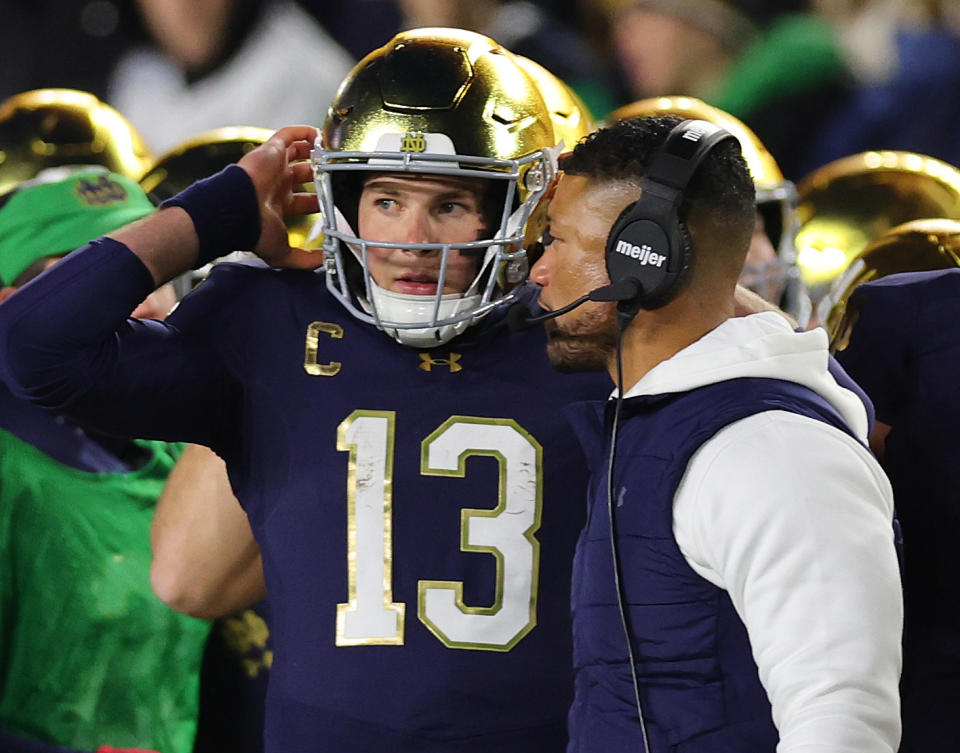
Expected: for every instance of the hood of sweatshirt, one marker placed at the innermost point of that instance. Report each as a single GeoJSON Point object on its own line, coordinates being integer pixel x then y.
{"type": "Point", "coordinates": [760, 345]}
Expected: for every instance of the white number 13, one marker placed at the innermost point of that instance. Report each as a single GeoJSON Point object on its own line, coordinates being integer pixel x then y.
{"type": "Point", "coordinates": [371, 616]}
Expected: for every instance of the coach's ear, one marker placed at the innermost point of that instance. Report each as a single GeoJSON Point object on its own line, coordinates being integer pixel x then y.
{"type": "Point", "coordinates": [6, 292]}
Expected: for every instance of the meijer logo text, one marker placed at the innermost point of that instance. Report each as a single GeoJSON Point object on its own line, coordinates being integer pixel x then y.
{"type": "Point", "coordinates": [643, 254]}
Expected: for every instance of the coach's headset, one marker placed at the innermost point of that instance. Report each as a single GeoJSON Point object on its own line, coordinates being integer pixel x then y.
{"type": "Point", "coordinates": [648, 243]}
{"type": "Point", "coordinates": [648, 248]}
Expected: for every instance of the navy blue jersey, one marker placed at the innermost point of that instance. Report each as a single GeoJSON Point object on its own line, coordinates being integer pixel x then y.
{"type": "Point", "coordinates": [68, 445]}
{"type": "Point", "coordinates": [417, 510]}
{"type": "Point", "coordinates": [904, 350]}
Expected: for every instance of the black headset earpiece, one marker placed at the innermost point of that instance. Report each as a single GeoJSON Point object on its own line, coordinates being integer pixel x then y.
{"type": "Point", "coordinates": [648, 243]}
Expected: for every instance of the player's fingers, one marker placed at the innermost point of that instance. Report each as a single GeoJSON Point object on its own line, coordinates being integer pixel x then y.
{"type": "Point", "coordinates": [304, 149]}
{"type": "Point", "coordinates": [301, 172]}
{"type": "Point", "coordinates": [299, 150]}
{"type": "Point", "coordinates": [298, 258]}
{"type": "Point", "coordinates": [291, 134]}
{"type": "Point", "coordinates": [303, 203]}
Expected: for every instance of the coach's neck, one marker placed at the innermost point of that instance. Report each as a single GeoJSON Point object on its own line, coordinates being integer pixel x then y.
{"type": "Point", "coordinates": [654, 336]}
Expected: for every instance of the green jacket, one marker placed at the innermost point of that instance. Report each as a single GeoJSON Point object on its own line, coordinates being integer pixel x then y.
{"type": "Point", "coordinates": [88, 655]}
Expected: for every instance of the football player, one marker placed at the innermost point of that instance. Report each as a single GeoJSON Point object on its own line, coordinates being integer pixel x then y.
{"type": "Point", "coordinates": [206, 562]}
{"type": "Point", "coordinates": [401, 455]}
{"type": "Point", "coordinates": [893, 327]}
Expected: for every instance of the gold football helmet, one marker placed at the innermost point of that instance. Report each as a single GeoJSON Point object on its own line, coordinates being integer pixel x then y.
{"type": "Point", "coordinates": [444, 102]}
{"type": "Point", "coordinates": [55, 127]}
{"type": "Point", "coordinates": [778, 281]}
{"type": "Point", "coordinates": [199, 157]}
{"type": "Point", "coordinates": [570, 115]}
{"type": "Point", "coordinates": [914, 246]}
{"type": "Point", "coordinates": [850, 202]}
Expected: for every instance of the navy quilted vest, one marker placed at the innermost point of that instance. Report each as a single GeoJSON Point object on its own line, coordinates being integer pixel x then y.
{"type": "Point", "coordinates": [700, 688]}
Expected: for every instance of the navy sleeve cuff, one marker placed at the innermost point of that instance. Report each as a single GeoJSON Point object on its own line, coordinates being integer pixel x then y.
{"type": "Point", "coordinates": [225, 213]}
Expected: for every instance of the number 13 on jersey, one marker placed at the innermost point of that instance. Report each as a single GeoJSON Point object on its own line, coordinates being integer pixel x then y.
{"type": "Point", "coordinates": [506, 532]}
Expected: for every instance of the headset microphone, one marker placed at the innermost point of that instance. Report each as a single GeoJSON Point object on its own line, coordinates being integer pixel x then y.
{"type": "Point", "coordinates": [518, 316]}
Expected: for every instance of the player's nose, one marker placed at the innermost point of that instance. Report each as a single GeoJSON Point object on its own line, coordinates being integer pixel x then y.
{"type": "Point", "coordinates": [417, 228]}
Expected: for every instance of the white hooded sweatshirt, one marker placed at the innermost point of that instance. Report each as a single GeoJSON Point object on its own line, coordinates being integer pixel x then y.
{"type": "Point", "coordinates": [793, 518]}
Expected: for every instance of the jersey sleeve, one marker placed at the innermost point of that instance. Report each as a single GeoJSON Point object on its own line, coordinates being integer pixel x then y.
{"type": "Point", "coordinates": [67, 344]}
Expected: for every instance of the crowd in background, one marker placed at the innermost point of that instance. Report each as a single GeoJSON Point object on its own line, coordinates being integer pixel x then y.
{"type": "Point", "coordinates": [815, 79]}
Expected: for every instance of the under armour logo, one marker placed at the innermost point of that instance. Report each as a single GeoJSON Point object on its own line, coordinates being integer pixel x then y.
{"type": "Point", "coordinates": [427, 362]}
{"type": "Point", "coordinates": [413, 142]}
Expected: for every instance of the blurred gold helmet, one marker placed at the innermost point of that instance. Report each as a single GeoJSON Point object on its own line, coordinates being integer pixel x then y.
{"type": "Point", "coordinates": [444, 102]}
{"type": "Point", "coordinates": [570, 115]}
{"type": "Point", "coordinates": [54, 127]}
{"type": "Point", "coordinates": [208, 153]}
{"type": "Point", "coordinates": [778, 280]}
{"type": "Point", "coordinates": [850, 202]}
{"type": "Point", "coordinates": [203, 155]}
{"type": "Point", "coordinates": [914, 246]}
{"type": "Point", "coordinates": [198, 157]}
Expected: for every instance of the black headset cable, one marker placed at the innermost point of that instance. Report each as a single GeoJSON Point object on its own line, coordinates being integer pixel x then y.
{"type": "Point", "coordinates": [623, 321]}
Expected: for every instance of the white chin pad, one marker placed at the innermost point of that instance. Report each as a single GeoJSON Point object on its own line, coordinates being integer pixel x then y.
{"type": "Point", "coordinates": [403, 308]}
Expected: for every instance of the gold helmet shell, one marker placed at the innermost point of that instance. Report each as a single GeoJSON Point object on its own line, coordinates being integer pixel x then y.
{"type": "Point", "coordinates": [54, 127]}
{"type": "Point", "coordinates": [452, 82]}
{"type": "Point", "coordinates": [451, 104]}
{"type": "Point", "coordinates": [850, 202]}
{"type": "Point", "coordinates": [205, 154]}
{"type": "Point", "coordinates": [572, 121]}
{"type": "Point", "coordinates": [570, 115]}
{"type": "Point", "coordinates": [914, 246]}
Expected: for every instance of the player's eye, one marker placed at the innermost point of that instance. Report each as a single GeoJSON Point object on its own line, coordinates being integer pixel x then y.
{"type": "Point", "coordinates": [454, 207]}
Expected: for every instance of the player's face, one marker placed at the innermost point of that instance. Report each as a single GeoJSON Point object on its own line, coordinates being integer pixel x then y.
{"type": "Point", "coordinates": [427, 209]}
{"type": "Point", "coordinates": [580, 217]}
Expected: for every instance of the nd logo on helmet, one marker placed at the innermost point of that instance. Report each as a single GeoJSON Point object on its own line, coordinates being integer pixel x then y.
{"type": "Point", "coordinates": [413, 142]}
{"type": "Point", "coordinates": [101, 190]}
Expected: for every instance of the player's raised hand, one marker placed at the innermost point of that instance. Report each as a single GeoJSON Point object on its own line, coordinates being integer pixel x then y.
{"type": "Point", "coordinates": [278, 170]}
